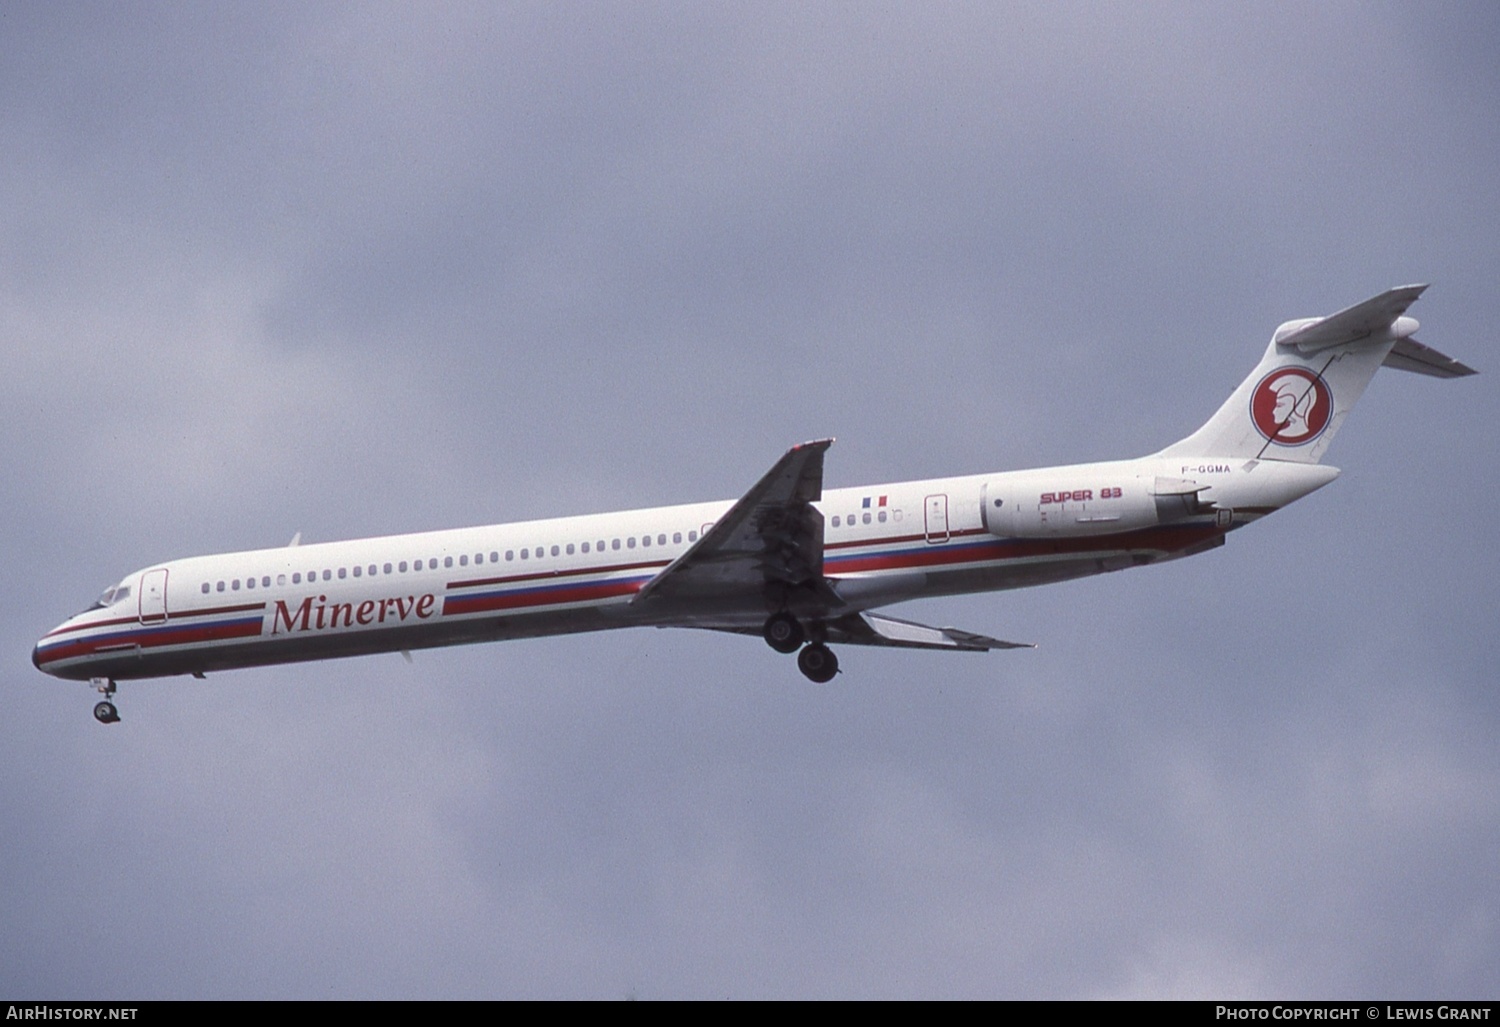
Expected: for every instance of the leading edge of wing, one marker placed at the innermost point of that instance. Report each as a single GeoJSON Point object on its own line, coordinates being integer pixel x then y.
{"type": "Point", "coordinates": [772, 535]}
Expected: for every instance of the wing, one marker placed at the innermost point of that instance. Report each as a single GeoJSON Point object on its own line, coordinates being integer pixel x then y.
{"type": "Point", "coordinates": [769, 546]}
{"type": "Point", "coordinates": [877, 629]}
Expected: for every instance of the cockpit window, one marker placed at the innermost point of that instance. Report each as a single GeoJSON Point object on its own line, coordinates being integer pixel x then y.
{"type": "Point", "coordinates": [110, 596]}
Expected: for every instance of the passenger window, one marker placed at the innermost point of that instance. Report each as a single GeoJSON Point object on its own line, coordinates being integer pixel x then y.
{"type": "Point", "coordinates": [249, 582]}
{"type": "Point", "coordinates": [281, 579]}
{"type": "Point", "coordinates": [234, 585]}
{"type": "Point", "coordinates": [570, 549]}
{"type": "Point", "coordinates": [661, 540]}
{"type": "Point", "coordinates": [432, 564]}
{"type": "Point", "coordinates": [645, 540]}
{"type": "Point", "coordinates": [205, 588]}
{"type": "Point", "coordinates": [343, 573]}
{"type": "Point", "coordinates": [866, 518]}
{"type": "Point", "coordinates": [676, 538]}
{"type": "Point", "coordinates": [219, 587]}
{"type": "Point", "coordinates": [328, 575]}
{"type": "Point", "coordinates": [510, 554]}
{"type": "Point", "coordinates": [555, 550]}
{"type": "Point", "coordinates": [463, 561]}
{"type": "Point", "coordinates": [525, 554]}
{"type": "Point", "coordinates": [297, 578]}
{"type": "Point", "coordinates": [585, 547]}
{"type": "Point", "coordinates": [447, 561]}
{"type": "Point", "coordinates": [614, 544]}
{"type": "Point", "coordinates": [388, 568]}
{"type": "Point", "coordinates": [630, 542]}
{"type": "Point", "coordinates": [835, 520]}
{"type": "Point", "coordinates": [693, 536]}
{"type": "Point", "coordinates": [880, 517]}
{"type": "Point", "coordinates": [357, 571]}
{"type": "Point", "coordinates": [494, 558]}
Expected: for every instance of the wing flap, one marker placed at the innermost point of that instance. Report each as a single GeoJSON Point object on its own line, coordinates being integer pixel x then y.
{"type": "Point", "coordinates": [878, 629]}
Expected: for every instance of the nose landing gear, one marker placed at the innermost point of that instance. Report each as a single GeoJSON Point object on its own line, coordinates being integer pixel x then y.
{"type": "Point", "coordinates": [785, 634]}
{"type": "Point", "coordinates": [105, 712]}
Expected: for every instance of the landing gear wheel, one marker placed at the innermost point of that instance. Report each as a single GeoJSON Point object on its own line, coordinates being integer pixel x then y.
{"type": "Point", "coordinates": [783, 633]}
{"type": "Point", "coordinates": [105, 713]}
{"type": "Point", "coordinates": [818, 663]}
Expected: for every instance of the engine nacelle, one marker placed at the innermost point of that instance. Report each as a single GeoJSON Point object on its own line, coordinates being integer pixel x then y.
{"type": "Point", "coordinates": [1052, 504]}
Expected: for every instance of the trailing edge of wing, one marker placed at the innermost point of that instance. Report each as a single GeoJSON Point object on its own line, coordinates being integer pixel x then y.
{"type": "Point", "coordinates": [772, 536]}
{"type": "Point", "coordinates": [877, 629]}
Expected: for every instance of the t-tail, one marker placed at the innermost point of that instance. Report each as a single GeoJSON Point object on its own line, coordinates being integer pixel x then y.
{"type": "Point", "coordinates": [1314, 371]}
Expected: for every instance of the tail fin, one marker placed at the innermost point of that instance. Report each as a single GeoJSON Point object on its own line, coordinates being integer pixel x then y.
{"type": "Point", "coordinates": [1314, 371]}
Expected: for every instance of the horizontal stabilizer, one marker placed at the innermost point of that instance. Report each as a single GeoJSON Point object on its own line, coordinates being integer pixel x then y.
{"type": "Point", "coordinates": [1373, 318]}
{"type": "Point", "coordinates": [876, 629]}
{"type": "Point", "coordinates": [1411, 355]}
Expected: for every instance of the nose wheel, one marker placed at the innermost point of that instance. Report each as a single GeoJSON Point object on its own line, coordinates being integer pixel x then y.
{"type": "Point", "coordinates": [105, 712]}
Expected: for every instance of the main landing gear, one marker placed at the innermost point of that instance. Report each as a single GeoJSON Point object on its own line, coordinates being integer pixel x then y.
{"type": "Point", "coordinates": [785, 634]}
{"type": "Point", "coordinates": [105, 712]}
{"type": "Point", "coordinates": [818, 663]}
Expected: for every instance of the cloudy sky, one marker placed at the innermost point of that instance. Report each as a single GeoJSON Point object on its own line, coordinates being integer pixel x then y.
{"type": "Point", "coordinates": [270, 268]}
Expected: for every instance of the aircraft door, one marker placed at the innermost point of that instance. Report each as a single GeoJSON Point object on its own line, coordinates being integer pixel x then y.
{"type": "Point", "coordinates": [937, 518]}
{"type": "Point", "coordinates": [154, 596]}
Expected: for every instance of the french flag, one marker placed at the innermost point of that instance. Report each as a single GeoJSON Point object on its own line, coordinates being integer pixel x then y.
{"type": "Point", "coordinates": [879, 501]}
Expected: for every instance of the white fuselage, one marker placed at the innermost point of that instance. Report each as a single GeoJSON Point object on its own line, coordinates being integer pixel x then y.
{"type": "Point", "coordinates": [881, 544]}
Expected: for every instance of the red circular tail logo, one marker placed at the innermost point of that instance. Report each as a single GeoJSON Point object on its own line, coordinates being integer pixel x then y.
{"type": "Point", "coordinates": [1291, 406]}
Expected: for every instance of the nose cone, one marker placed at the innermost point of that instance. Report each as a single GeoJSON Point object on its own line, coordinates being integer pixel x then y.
{"type": "Point", "coordinates": [46, 664]}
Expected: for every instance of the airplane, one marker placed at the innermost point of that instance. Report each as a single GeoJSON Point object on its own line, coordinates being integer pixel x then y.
{"type": "Point", "coordinates": [796, 564]}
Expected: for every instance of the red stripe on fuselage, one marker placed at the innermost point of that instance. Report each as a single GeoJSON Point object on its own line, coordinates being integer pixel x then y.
{"type": "Point", "coordinates": [535, 597]}
{"type": "Point", "coordinates": [154, 637]}
{"type": "Point", "coordinates": [554, 575]}
{"type": "Point", "coordinates": [70, 628]}
{"type": "Point", "coordinates": [1166, 540]}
